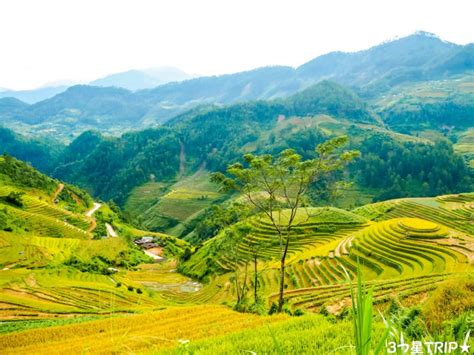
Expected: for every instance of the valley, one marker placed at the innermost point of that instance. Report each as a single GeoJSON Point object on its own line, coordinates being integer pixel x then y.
{"type": "Point", "coordinates": [253, 212]}
{"type": "Point", "coordinates": [60, 275]}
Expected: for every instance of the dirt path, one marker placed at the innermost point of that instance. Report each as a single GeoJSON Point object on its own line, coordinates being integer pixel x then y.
{"type": "Point", "coordinates": [110, 231]}
{"type": "Point", "coordinates": [89, 214]}
{"type": "Point", "coordinates": [182, 158]}
{"type": "Point", "coordinates": [344, 246]}
{"type": "Point", "coordinates": [152, 255]}
{"type": "Point", "coordinates": [59, 189]}
{"type": "Point", "coordinates": [93, 209]}
{"type": "Point", "coordinates": [92, 226]}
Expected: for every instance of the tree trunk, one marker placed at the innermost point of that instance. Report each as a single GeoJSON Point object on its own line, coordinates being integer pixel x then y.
{"type": "Point", "coordinates": [244, 284]}
{"type": "Point", "coordinates": [237, 288]}
{"type": "Point", "coordinates": [281, 300]}
{"type": "Point", "coordinates": [255, 283]}
{"type": "Point", "coordinates": [282, 285]}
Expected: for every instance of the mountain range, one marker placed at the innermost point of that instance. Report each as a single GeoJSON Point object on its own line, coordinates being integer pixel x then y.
{"type": "Point", "coordinates": [372, 73]}
{"type": "Point", "coordinates": [131, 80]}
{"type": "Point", "coordinates": [407, 105]}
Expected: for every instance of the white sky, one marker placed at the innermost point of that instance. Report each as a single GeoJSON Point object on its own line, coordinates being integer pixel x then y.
{"type": "Point", "coordinates": [49, 40]}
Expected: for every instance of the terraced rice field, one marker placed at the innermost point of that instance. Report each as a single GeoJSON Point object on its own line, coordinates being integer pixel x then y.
{"type": "Point", "coordinates": [36, 206]}
{"type": "Point", "coordinates": [465, 144]}
{"type": "Point", "coordinates": [402, 254]}
{"type": "Point", "coordinates": [152, 332]}
{"type": "Point", "coordinates": [314, 298]}
{"type": "Point", "coordinates": [308, 239]}
{"type": "Point", "coordinates": [143, 197]}
{"type": "Point", "coordinates": [161, 277]}
{"type": "Point", "coordinates": [399, 256]}
{"type": "Point", "coordinates": [46, 219]}
{"type": "Point", "coordinates": [49, 226]}
{"type": "Point", "coordinates": [397, 247]}
{"type": "Point", "coordinates": [154, 203]}
{"type": "Point", "coordinates": [30, 294]}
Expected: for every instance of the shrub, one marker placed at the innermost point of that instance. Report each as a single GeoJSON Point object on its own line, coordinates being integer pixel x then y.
{"type": "Point", "coordinates": [324, 311]}
{"type": "Point", "coordinates": [273, 308]}
{"type": "Point", "coordinates": [14, 198]}
{"type": "Point", "coordinates": [242, 306]}
{"type": "Point", "coordinates": [287, 309]}
{"type": "Point", "coordinates": [298, 312]}
{"type": "Point", "coordinates": [450, 300]}
{"type": "Point", "coordinates": [97, 264]}
{"type": "Point", "coordinates": [258, 308]}
{"type": "Point", "coordinates": [393, 307]}
{"type": "Point", "coordinates": [186, 254]}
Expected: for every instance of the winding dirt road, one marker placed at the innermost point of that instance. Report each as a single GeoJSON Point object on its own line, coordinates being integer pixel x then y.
{"type": "Point", "coordinates": [93, 209]}
{"type": "Point", "coordinates": [110, 231]}
{"type": "Point", "coordinates": [89, 214]}
{"type": "Point", "coordinates": [59, 189]}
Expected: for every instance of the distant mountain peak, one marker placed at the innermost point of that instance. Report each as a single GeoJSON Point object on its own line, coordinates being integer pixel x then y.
{"type": "Point", "coordinates": [136, 79]}
{"type": "Point", "coordinates": [425, 34]}
{"type": "Point", "coordinates": [420, 34]}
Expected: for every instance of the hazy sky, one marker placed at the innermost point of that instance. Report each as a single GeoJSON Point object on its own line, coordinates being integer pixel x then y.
{"type": "Point", "coordinates": [49, 40]}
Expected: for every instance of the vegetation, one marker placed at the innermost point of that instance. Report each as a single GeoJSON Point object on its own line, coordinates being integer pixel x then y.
{"type": "Point", "coordinates": [411, 169]}
{"type": "Point", "coordinates": [362, 318]}
{"type": "Point", "coordinates": [407, 247]}
{"type": "Point", "coordinates": [283, 183]}
{"type": "Point", "coordinates": [78, 275]}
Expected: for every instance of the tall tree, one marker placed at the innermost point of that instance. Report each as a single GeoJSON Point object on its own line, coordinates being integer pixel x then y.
{"type": "Point", "coordinates": [233, 237]}
{"type": "Point", "coordinates": [255, 249]}
{"type": "Point", "coordinates": [276, 186]}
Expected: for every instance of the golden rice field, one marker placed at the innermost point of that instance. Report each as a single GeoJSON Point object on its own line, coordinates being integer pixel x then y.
{"type": "Point", "coordinates": [148, 332]}
{"type": "Point", "coordinates": [405, 247]}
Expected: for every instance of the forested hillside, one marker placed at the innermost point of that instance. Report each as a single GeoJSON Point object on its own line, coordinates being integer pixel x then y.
{"type": "Point", "coordinates": [408, 121]}
{"type": "Point", "coordinates": [208, 138]}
